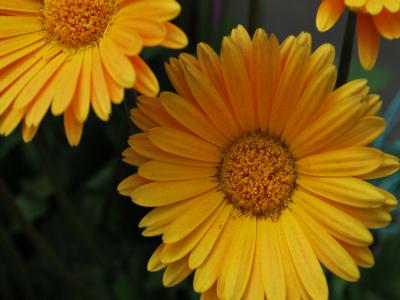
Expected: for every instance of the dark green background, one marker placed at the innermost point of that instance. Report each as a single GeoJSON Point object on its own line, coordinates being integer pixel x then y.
{"type": "Point", "coordinates": [82, 240]}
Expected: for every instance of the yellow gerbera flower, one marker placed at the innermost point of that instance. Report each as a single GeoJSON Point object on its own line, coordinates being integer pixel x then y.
{"type": "Point", "coordinates": [257, 170]}
{"type": "Point", "coordinates": [71, 55]}
{"type": "Point", "coordinates": [375, 18]}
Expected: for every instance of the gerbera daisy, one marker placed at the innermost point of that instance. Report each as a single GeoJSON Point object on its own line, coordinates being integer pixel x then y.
{"type": "Point", "coordinates": [256, 168]}
{"type": "Point", "coordinates": [375, 18]}
{"type": "Point", "coordinates": [70, 55]}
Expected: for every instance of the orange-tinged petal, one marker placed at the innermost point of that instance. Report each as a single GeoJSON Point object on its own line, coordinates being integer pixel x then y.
{"type": "Point", "coordinates": [12, 57]}
{"type": "Point", "coordinates": [392, 5]}
{"type": "Point", "coordinates": [183, 225]}
{"type": "Point", "coordinates": [131, 157]}
{"type": "Point", "coordinates": [158, 10]}
{"type": "Point", "coordinates": [73, 128]}
{"type": "Point", "coordinates": [152, 108]}
{"type": "Point", "coordinates": [150, 32]}
{"type": "Point", "coordinates": [21, 41]}
{"type": "Point", "coordinates": [155, 263]}
{"type": "Point", "coordinates": [346, 190]}
{"type": "Point", "coordinates": [66, 84]}
{"type": "Point", "coordinates": [192, 118]}
{"type": "Point", "coordinates": [272, 269]}
{"type": "Point", "coordinates": [391, 202]}
{"type": "Point", "coordinates": [210, 65]}
{"type": "Point", "coordinates": [206, 275]}
{"type": "Point", "coordinates": [141, 121]}
{"type": "Point", "coordinates": [345, 162]}
{"type": "Point", "coordinates": [239, 258]}
{"type": "Point", "coordinates": [368, 41]}
{"type": "Point", "coordinates": [146, 81]}
{"type": "Point", "coordinates": [204, 247]}
{"type": "Point", "coordinates": [264, 73]}
{"type": "Point", "coordinates": [10, 120]}
{"type": "Point", "coordinates": [129, 184]}
{"type": "Point", "coordinates": [28, 133]}
{"type": "Point", "coordinates": [175, 251]}
{"type": "Point", "coordinates": [241, 38]}
{"type": "Point", "coordinates": [388, 24]}
{"type": "Point", "coordinates": [176, 273]}
{"type": "Point", "coordinates": [285, 49]}
{"type": "Point", "coordinates": [167, 192]}
{"type": "Point", "coordinates": [176, 75]}
{"type": "Point", "coordinates": [100, 98]}
{"type": "Point", "coordinates": [9, 95]}
{"type": "Point", "coordinates": [40, 106]}
{"type": "Point", "coordinates": [310, 102]}
{"type": "Point", "coordinates": [304, 259]}
{"type": "Point", "coordinates": [128, 40]}
{"type": "Point", "coordinates": [374, 104]}
{"type": "Point", "coordinates": [322, 57]}
{"type": "Point", "coordinates": [26, 6]}
{"type": "Point", "coordinates": [374, 7]}
{"type": "Point", "coordinates": [210, 101]}
{"type": "Point", "coordinates": [327, 249]}
{"type": "Point", "coordinates": [142, 144]}
{"type": "Point", "coordinates": [362, 255]}
{"type": "Point", "coordinates": [161, 171]}
{"type": "Point", "coordinates": [117, 64]}
{"type": "Point", "coordinates": [289, 89]}
{"type": "Point", "coordinates": [166, 214]}
{"type": "Point", "coordinates": [336, 222]}
{"type": "Point", "coordinates": [236, 78]}
{"type": "Point", "coordinates": [328, 127]}
{"type": "Point", "coordinates": [389, 166]}
{"type": "Point", "coordinates": [355, 3]}
{"type": "Point", "coordinates": [184, 144]}
{"type": "Point", "coordinates": [38, 81]}
{"type": "Point", "coordinates": [291, 277]}
{"type": "Point", "coordinates": [358, 87]}
{"type": "Point", "coordinates": [210, 294]}
{"type": "Point", "coordinates": [363, 133]}
{"type": "Point", "coordinates": [329, 13]}
{"type": "Point", "coordinates": [175, 37]}
{"type": "Point", "coordinates": [370, 217]}
{"type": "Point", "coordinates": [81, 102]}
{"type": "Point", "coordinates": [116, 91]}
{"type": "Point", "coordinates": [12, 73]}
{"type": "Point", "coordinates": [16, 25]}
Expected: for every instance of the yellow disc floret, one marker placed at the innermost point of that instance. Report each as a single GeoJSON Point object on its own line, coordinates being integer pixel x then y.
{"type": "Point", "coordinates": [258, 175]}
{"type": "Point", "coordinates": [76, 24]}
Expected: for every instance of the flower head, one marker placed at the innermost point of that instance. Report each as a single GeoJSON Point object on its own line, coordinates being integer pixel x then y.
{"type": "Point", "coordinates": [256, 168]}
{"type": "Point", "coordinates": [70, 55]}
{"type": "Point", "coordinates": [375, 18]}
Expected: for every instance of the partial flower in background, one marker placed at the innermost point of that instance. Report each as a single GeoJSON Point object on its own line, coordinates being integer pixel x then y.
{"type": "Point", "coordinates": [375, 18]}
{"type": "Point", "coordinates": [71, 55]}
{"type": "Point", "coordinates": [256, 169]}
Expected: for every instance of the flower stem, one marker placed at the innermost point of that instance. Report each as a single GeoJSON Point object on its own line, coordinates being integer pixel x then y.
{"type": "Point", "coordinates": [38, 240]}
{"type": "Point", "coordinates": [347, 49]}
{"type": "Point", "coordinates": [255, 13]}
{"type": "Point", "coordinates": [68, 209]}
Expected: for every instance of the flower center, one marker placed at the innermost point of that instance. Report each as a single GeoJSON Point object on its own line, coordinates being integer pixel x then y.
{"type": "Point", "coordinates": [77, 23]}
{"type": "Point", "coordinates": [258, 175]}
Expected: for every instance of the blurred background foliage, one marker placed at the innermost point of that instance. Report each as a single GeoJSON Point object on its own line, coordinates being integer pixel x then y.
{"type": "Point", "coordinates": [65, 233]}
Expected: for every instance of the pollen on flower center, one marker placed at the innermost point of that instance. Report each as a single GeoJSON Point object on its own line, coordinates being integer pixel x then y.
{"type": "Point", "coordinates": [258, 175]}
{"type": "Point", "coordinates": [75, 24]}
